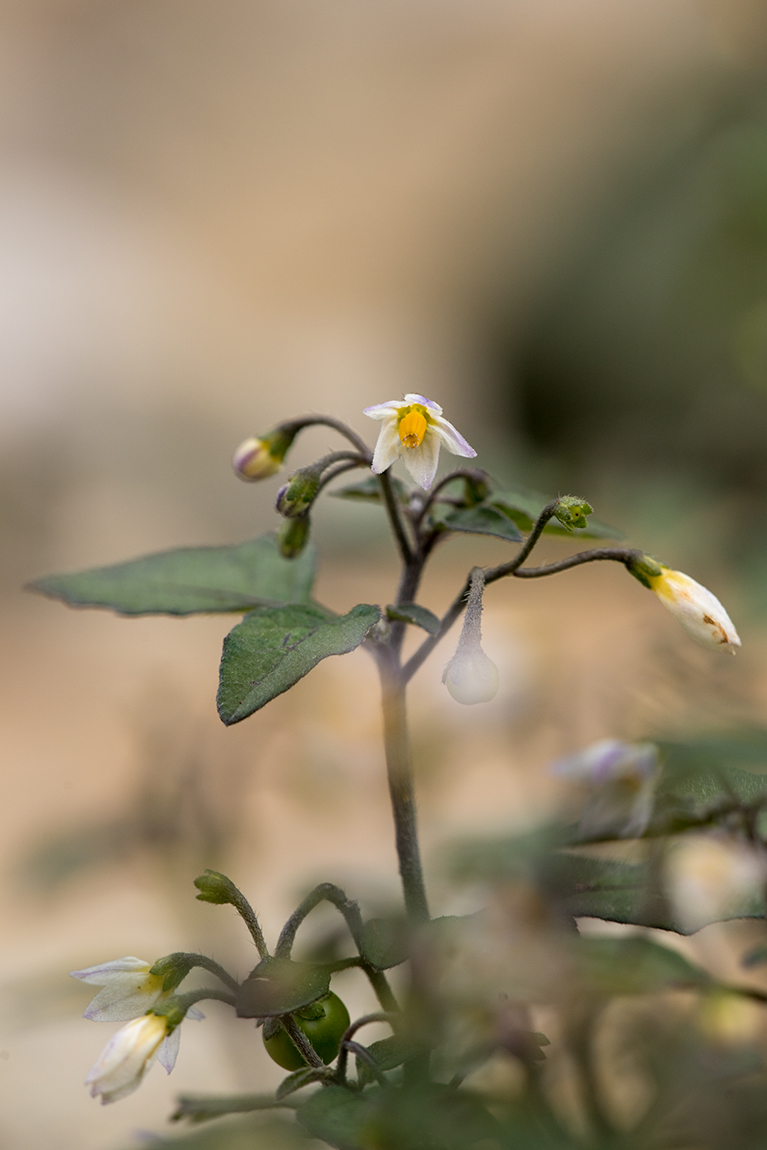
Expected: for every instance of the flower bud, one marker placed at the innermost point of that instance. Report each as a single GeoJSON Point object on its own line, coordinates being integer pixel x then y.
{"type": "Point", "coordinates": [694, 606]}
{"type": "Point", "coordinates": [296, 497]}
{"type": "Point", "coordinates": [260, 457]}
{"type": "Point", "coordinates": [471, 677]}
{"type": "Point", "coordinates": [572, 511]}
{"type": "Point", "coordinates": [216, 888]}
{"type": "Point", "coordinates": [293, 536]}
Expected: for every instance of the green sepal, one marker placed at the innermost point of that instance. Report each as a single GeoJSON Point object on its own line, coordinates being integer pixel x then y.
{"type": "Point", "coordinates": [413, 613]}
{"type": "Point", "coordinates": [280, 986]}
{"type": "Point", "coordinates": [190, 580]}
{"type": "Point", "coordinates": [217, 888]}
{"type": "Point", "coordinates": [274, 647]}
{"type": "Point", "coordinates": [572, 512]}
{"type": "Point", "coordinates": [524, 507]}
{"type": "Point", "coordinates": [298, 494]}
{"type": "Point", "coordinates": [645, 569]}
{"type": "Point", "coordinates": [293, 537]}
{"type": "Point", "coordinates": [174, 968]}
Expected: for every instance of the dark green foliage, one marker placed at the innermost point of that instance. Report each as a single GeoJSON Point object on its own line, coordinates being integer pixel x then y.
{"type": "Point", "coordinates": [279, 986]}
{"type": "Point", "coordinates": [190, 580]}
{"type": "Point", "coordinates": [274, 647]}
{"type": "Point", "coordinates": [413, 613]}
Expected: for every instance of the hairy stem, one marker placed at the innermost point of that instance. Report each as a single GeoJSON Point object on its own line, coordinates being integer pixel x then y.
{"type": "Point", "coordinates": [623, 555]}
{"type": "Point", "coordinates": [400, 776]}
{"type": "Point", "coordinates": [325, 892]}
{"type": "Point", "coordinates": [395, 517]}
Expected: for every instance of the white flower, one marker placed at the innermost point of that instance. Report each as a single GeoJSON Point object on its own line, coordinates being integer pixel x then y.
{"type": "Point", "coordinates": [700, 613]}
{"type": "Point", "coordinates": [129, 990]}
{"type": "Point", "coordinates": [414, 428]}
{"type": "Point", "coordinates": [620, 779]}
{"type": "Point", "coordinates": [124, 1060]}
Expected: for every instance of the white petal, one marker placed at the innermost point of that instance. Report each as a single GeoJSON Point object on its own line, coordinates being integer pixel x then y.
{"type": "Point", "coordinates": [119, 1004]}
{"type": "Point", "coordinates": [104, 973]}
{"type": "Point", "coordinates": [167, 1052]}
{"type": "Point", "coordinates": [387, 448]}
{"type": "Point", "coordinates": [387, 410]}
{"type": "Point", "coordinates": [422, 461]}
{"type": "Point", "coordinates": [697, 609]}
{"type": "Point", "coordinates": [123, 1061]}
{"type": "Point", "coordinates": [432, 407]}
{"type": "Point", "coordinates": [195, 1014]}
{"type": "Point", "coordinates": [452, 439]}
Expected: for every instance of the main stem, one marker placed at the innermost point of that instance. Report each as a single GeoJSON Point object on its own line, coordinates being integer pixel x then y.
{"type": "Point", "coordinates": [400, 775]}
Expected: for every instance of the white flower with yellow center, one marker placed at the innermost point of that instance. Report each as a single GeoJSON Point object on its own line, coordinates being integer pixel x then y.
{"type": "Point", "coordinates": [124, 1060]}
{"type": "Point", "coordinates": [696, 608]}
{"type": "Point", "coordinates": [129, 989]}
{"type": "Point", "coordinates": [414, 429]}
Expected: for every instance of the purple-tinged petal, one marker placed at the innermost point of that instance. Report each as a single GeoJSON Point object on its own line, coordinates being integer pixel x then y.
{"type": "Point", "coordinates": [167, 1052]}
{"type": "Point", "coordinates": [387, 410]}
{"type": "Point", "coordinates": [105, 971]}
{"type": "Point", "coordinates": [452, 439]}
{"type": "Point", "coordinates": [429, 404]}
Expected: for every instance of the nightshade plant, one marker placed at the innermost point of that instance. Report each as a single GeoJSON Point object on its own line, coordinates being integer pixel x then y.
{"type": "Point", "coordinates": [470, 991]}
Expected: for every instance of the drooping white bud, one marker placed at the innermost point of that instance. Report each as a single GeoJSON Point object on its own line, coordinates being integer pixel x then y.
{"type": "Point", "coordinates": [697, 609]}
{"type": "Point", "coordinates": [470, 676]}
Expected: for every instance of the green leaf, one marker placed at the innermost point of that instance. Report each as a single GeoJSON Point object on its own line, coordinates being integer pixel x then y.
{"type": "Point", "coordinates": [412, 613]}
{"type": "Point", "coordinates": [525, 506]}
{"type": "Point", "coordinates": [384, 942]}
{"type": "Point", "coordinates": [637, 965]}
{"type": "Point", "coordinates": [626, 892]}
{"type": "Point", "coordinates": [430, 1116]}
{"type": "Point", "coordinates": [280, 986]}
{"type": "Point", "coordinates": [482, 519]}
{"type": "Point", "coordinates": [388, 1054]}
{"type": "Point", "coordinates": [339, 1117]}
{"type": "Point", "coordinates": [190, 580]}
{"type": "Point", "coordinates": [274, 647]}
{"type": "Point", "coordinates": [369, 491]}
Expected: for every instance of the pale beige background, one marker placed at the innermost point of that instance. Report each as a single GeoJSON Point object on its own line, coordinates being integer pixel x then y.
{"type": "Point", "coordinates": [213, 216]}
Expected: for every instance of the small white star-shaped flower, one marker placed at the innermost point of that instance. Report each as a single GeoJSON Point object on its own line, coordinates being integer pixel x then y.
{"type": "Point", "coordinates": [415, 429]}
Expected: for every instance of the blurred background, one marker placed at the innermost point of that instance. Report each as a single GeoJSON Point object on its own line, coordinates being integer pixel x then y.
{"type": "Point", "coordinates": [549, 217]}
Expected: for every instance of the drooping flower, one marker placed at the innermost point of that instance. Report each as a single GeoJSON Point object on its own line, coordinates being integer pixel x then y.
{"type": "Point", "coordinates": [124, 1060]}
{"type": "Point", "coordinates": [696, 608]}
{"type": "Point", "coordinates": [128, 989]}
{"type": "Point", "coordinates": [414, 429]}
{"type": "Point", "coordinates": [620, 780]}
{"type": "Point", "coordinates": [470, 676]}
